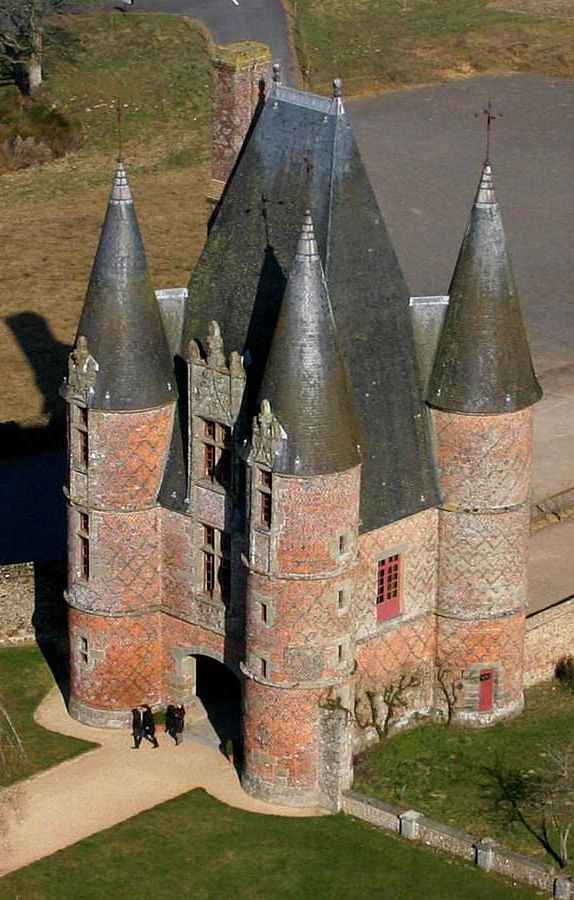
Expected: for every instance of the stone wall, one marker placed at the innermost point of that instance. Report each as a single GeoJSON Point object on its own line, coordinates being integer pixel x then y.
{"type": "Point", "coordinates": [486, 853]}
{"type": "Point", "coordinates": [17, 598]}
{"type": "Point", "coordinates": [549, 636]}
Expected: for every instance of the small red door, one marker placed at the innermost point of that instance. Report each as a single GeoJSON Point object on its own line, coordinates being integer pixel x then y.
{"type": "Point", "coordinates": [486, 690]}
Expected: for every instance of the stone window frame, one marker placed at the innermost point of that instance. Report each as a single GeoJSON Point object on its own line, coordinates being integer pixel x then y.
{"type": "Point", "coordinates": [215, 439]}
{"type": "Point", "coordinates": [215, 549]}
{"type": "Point", "coordinates": [397, 609]}
{"type": "Point", "coordinates": [83, 545]}
{"type": "Point", "coordinates": [343, 545]}
{"type": "Point", "coordinates": [346, 592]}
{"type": "Point", "coordinates": [79, 437]}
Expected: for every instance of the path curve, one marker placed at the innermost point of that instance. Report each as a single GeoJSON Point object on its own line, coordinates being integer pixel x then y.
{"type": "Point", "coordinates": [105, 786]}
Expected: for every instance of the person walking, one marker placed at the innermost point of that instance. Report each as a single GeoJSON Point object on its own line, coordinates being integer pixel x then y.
{"type": "Point", "coordinates": [179, 723]}
{"type": "Point", "coordinates": [171, 721]}
{"type": "Point", "coordinates": [137, 727]}
{"type": "Point", "coordinates": [148, 723]}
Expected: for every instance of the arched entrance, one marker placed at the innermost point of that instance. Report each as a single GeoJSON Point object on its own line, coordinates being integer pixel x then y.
{"type": "Point", "coordinates": [218, 690]}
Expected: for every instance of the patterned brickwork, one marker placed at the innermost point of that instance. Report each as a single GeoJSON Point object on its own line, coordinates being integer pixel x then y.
{"type": "Point", "coordinates": [116, 662]}
{"type": "Point", "coordinates": [127, 457]}
{"type": "Point", "coordinates": [281, 743]}
{"type": "Point", "coordinates": [416, 539]}
{"type": "Point", "coordinates": [124, 562]}
{"type": "Point", "coordinates": [469, 646]}
{"type": "Point", "coordinates": [302, 627]}
{"type": "Point", "coordinates": [176, 557]}
{"type": "Point", "coordinates": [485, 462]}
{"type": "Point", "coordinates": [549, 637]}
{"type": "Point", "coordinates": [483, 562]}
{"type": "Point", "coordinates": [237, 77]}
{"type": "Point", "coordinates": [311, 516]}
{"type": "Point", "coordinates": [407, 647]}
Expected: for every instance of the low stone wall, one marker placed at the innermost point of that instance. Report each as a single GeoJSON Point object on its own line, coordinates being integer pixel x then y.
{"type": "Point", "coordinates": [31, 602]}
{"type": "Point", "coordinates": [485, 853]}
{"type": "Point", "coordinates": [549, 636]}
{"type": "Point", "coordinates": [17, 599]}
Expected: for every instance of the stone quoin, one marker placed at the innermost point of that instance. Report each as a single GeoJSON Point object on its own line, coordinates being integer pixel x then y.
{"type": "Point", "coordinates": [259, 475]}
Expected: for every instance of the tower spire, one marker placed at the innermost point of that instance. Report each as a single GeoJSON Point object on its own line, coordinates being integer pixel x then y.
{"type": "Point", "coordinates": [305, 380]}
{"type": "Point", "coordinates": [120, 318]}
{"type": "Point", "coordinates": [483, 362]}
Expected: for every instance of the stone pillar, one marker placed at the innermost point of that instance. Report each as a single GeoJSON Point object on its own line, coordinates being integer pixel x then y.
{"type": "Point", "coordinates": [485, 465]}
{"type": "Point", "coordinates": [241, 70]}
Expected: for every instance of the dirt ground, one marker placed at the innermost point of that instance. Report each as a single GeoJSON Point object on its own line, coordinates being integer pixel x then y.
{"type": "Point", "coordinates": [562, 8]}
{"type": "Point", "coordinates": [48, 246]}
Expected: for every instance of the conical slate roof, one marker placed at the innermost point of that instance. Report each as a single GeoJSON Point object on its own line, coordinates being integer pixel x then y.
{"type": "Point", "coordinates": [483, 363]}
{"type": "Point", "coordinates": [304, 379]}
{"type": "Point", "coordinates": [121, 318]}
{"type": "Point", "coordinates": [300, 153]}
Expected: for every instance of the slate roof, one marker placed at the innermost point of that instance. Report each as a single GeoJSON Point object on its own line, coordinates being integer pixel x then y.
{"type": "Point", "coordinates": [483, 364]}
{"type": "Point", "coordinates": [301, 154]}
{"type": "Point", "coordinates": [305, 379]}
{"type": "Point", "coordinates": [121, 318]}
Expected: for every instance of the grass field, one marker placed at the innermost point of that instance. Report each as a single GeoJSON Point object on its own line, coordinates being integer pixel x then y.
{"type": "Point", "coordinates": [451, 773]}
{"type": "Point", "coordinates": [196, 847]}
{"type": "Point", "coordinates": [381, 44]}
{"type": "Point", "coordinates": [24, 681]}
{"type": "Point", "coordinates": [159, 66]}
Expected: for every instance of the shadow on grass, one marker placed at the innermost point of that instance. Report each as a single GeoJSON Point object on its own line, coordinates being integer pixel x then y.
{"type": "Point", "coordinates": [51, 622]}
{"type": "Point", "coordinates": [517, 796]}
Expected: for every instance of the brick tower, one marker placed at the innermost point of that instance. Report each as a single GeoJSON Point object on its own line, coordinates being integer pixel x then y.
{"type": "Point", "coordinates": [120, 393]}
{"type": "Point", "coordinates": [304, 487]}
{"type": "Point", "coordinates": [482, 390]}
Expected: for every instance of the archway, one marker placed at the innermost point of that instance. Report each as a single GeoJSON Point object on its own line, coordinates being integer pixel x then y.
{"type": "Point", "coordinates": [219, 691]}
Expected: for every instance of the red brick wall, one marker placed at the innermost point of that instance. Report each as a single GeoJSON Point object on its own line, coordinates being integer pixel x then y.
{"type": "Point", "coordinates": [281, 745]}
{"type": "Point", "coordinates": [549, 637]}
{"type": "Point", "coordinates": [127, 457]}
{"type": "Point", "coordinates": [177, 576]}
{"type": "Point", "coordinates": [309, 517]}
{"type": "Point", "coordinates": [238, 71]}
{"type": "Point", "coordinates": [124, 561]}
{"type": "Point", "coordinates": [416, 539]}
{"type": "Point", "coordinates": [485, 461]}
{"type": "Point", "coordinates": [124, 660]}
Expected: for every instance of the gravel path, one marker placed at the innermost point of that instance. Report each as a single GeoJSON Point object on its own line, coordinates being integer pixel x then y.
{"type": "Point", "coordinates": [110, 784]}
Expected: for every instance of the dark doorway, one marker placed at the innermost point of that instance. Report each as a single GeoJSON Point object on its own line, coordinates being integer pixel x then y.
{"type": "Point", "coordinates": [220, 692]}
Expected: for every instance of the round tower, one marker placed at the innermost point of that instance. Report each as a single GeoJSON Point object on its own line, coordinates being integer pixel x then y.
{"type": "Point", "coordinates": [304, 486]}
{"type": "Point", "coordinates": [120, 394]}
{"type": "Point", "coordinates": [482, 390]}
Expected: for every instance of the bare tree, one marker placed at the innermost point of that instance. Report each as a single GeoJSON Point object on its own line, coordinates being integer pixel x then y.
{"type": "Point", "coordinates": [377, 705]}
{"type": "Point", "coordinates": [25, 32]}
{"type": "Point", "coordinates": [450, 684]}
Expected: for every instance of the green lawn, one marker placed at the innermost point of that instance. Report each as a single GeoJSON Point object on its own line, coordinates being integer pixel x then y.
{"type": "Point", "coordinates": [377, 44]}
{"type": "Point", "coordinates": [451, 773]}
{"type": "Point", "coordinates": [24, 680]}
{"type": "Point", "coordinates": [196, 847]}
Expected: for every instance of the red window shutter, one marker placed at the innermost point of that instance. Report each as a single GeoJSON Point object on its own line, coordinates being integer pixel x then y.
{"type": "Point", "coordinates": [389, 588]}
{"type": "Point", "coordinates": [486, 690]}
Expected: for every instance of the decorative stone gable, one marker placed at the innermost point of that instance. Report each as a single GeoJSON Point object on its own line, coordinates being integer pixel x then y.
{"type": "Point", "coordinates": [215, 386]}
{"type": "Point", "coordinates": [266, 437]}
{"type": "Point", "coordinates": [82, 373]}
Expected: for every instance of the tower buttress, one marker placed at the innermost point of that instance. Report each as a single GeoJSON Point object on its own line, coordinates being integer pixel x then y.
{"type": "Point", "coordinates": [481, 391]}
{"type": "Point", "coordinates": [304, 487]}
{"type": "Point", "coordinates": [120, 394]}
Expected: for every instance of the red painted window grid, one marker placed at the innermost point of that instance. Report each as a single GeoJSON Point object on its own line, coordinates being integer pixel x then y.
{"type": "Point", "coordinates": [389, 587]}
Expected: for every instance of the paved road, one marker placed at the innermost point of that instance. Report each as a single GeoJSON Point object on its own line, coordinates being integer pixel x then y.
{"type": "Point", "coordinates": [253, 20]}
{"type": "Point", "coordinates": [423, 150]}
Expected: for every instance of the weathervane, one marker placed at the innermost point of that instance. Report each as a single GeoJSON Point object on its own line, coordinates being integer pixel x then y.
{"type": "Point", "coordinates": [490, 118]}
{"type": "Point", "coordinates": [120, 118]}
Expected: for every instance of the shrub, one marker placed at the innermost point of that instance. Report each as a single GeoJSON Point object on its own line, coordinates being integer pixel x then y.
{"type": "Point", "coordinates": [565, 672]}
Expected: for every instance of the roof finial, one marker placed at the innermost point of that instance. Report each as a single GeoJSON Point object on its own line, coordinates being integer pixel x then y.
{"type": "Point", "coordinates": [337, 87]}
{"type": "Point", "coordinates": [490, 118]}
{"type": "Point", "coordinates": [277, 73]}
{"type": "Point", "coordinates": [120, 119]}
